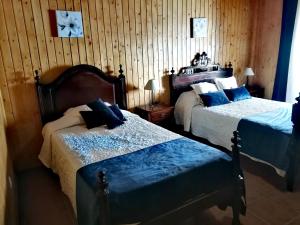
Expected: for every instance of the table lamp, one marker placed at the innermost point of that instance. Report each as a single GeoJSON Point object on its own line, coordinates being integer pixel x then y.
{"type": "Point", "coordinates": [248, 72]}
{"type": "Point", "coordinates": [152, 85]}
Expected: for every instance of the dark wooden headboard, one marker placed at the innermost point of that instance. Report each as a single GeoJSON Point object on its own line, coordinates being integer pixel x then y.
{"type": "Point", "coordinates": [186, 76]}
{"type": "Point", "coordinates": [76, 86]}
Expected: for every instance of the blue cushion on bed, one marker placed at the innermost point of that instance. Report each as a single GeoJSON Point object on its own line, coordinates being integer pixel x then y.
{"type": "Point", "coordinates": [237, 94]}
{"type": "Point", "coordinates": [115, 108]}
{"type": "Point", "coordinates": [214, 98]}
{"type": "Point", "coordinates": [92, 119]}
{"type": "Point", "coordinates": [110, 118]}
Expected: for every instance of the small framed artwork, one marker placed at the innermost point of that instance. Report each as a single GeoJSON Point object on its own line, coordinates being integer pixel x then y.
{"type": "Point", "coordinates": [69, 24]}
{"type": "Point", "coordinates": [198, 27]}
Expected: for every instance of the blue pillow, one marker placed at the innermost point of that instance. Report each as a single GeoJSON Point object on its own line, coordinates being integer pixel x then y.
{"type": "Point", "coordinates": [214, 98]}
{"type": "Point", "coordinates": [110, 118]}
{"type": "Point", "coordinates": [118, 112]}
{"type": "Point", "coordinates": [92, 119]}
{"type": "Point", "coordinates": [237, 94]}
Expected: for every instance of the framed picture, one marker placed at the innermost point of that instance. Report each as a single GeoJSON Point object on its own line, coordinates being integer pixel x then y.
{"type": "Point", "coordinates": [69, 23]}
{"type": "Point", "coordinates": [198, 27]}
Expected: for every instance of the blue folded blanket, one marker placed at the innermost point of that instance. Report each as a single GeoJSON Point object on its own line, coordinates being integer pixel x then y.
{"type": "Point", "coordinates": [266, 136]}
{"type": "Point", "coordinates": [148, 182]}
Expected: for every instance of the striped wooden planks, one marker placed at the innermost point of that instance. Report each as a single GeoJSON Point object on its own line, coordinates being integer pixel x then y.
{"type": "Point", "coordinates": [147, 36]}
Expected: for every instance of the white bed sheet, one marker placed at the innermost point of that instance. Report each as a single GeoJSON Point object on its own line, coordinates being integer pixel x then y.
{"type": "Point", "coordinates": [183, 108]}
{"type": "Point", "coordinates": [218, 123]}
{"type": "Point", "coordinates": [65, 160]}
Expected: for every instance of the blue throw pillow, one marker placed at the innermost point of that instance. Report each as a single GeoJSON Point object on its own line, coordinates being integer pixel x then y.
{"type": "Point", "coordinates": [237, 94]}
{"type": "Point", "coordinates": [214, 98]}
{"type": "Point", "coordinates": [118, 112]}
{"type": "Point", "coordinates": [110, 118]}
{"type": "Point", "coordinates": [92, 119]}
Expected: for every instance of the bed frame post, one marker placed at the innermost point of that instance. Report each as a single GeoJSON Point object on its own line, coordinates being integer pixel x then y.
{"type": "Point", "coordinates": [103, 196]}
{"type": "Point", "coordinates": [122, 87]}
{"type": "Point", "coordinates": [172, 97]}
{"type": "Point", "coordinates": [37, 78]}
{"type": "Point", "coordinates": [294, 149]}
{"type": "Point", "coordinates": [239, 187]}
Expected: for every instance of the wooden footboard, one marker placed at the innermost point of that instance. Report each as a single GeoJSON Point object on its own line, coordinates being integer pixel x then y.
{"type": "Point", "coordinates": [294, 147]}
{"type": "Point", "coordinates": [232, 195]}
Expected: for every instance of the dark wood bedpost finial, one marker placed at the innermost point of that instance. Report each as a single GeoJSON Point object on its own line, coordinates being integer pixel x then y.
{"type": "Point", "coordinates": [121, 71]}
{"type": "Point", "coordinates": [230, 65]}
{"type": "Point", "coordinates": [122, 87]}
{"type": "Point", "coordinates": [296, 113]}
{"type": "Point", "coordinates": [172, 71]}
{"type": "Point", "coordinates": [37, 76]}
{"type": "Point", "coordinates": [103, 197]}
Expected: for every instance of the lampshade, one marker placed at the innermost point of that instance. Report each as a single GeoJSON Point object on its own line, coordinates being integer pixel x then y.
{"type": "Point", "coordinates": [152, 85]}
{"type": "Point", "coordinates": [248, 72]}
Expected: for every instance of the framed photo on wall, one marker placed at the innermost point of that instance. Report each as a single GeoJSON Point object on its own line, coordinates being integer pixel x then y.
{"type": "Point", "coordinates": [69, 23]}
{"type": "Point", "coordinates": [198, 27]}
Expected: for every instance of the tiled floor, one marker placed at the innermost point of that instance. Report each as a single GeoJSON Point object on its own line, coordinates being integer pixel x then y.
{"type": "Point", "coordinates": [42, 202]}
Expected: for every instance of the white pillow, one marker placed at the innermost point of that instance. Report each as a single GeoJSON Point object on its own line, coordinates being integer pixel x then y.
{"type": "Point", "coordinates": [75, 111]}
{"type": "Point", "coordinates": [204, 87]}
{"type": "Point", "coordinates": [226, 83]}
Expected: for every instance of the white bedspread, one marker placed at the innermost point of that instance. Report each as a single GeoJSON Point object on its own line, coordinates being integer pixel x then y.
{"type": "Point", "coordinates": [218, 123]}
{"type": "Point", "coordinates": [68, 145]}
{"type": "Point", "coordinates": [183, 108]}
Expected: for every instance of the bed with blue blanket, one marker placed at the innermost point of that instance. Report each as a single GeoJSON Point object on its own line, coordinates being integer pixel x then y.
{"type": "Point", "coordinates": [266, 136]}
{"type": "Point", "coordinates": [136, 173]}
{"type": "Point", "coordinates": [265, 128]}
{"type": "Point", "coordinates": [209, 104]}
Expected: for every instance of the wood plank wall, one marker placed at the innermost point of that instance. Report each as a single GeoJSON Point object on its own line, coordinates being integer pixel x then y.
{"type": "Point", "coordinates": [8, 190]}
{"type": "Point", "coordinates": [148, 37]}
{"type": "Point", "coordinates": [269, 15]}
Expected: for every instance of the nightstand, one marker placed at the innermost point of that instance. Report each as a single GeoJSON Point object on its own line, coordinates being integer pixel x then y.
{"type": "Point", "coordinates": [256, 91]}
{"type": "Point", "coordinates": [159, 114]}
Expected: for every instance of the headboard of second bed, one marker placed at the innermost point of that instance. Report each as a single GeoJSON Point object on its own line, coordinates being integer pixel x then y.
{"type": "Point", "coordinates": [186, 76]}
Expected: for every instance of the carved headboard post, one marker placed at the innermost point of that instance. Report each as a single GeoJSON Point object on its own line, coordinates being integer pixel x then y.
{"type": "Point", "coordinates": [37, 77]}
{"type": "Point", "coordinates": [122, 87]}
{"type": "Point", "coordinates": [44, 97]}
{"type": "Point", "coordinates": [171, 77]}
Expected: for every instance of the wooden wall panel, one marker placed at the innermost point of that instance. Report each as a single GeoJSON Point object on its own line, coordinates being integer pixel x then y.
{"type": "Point", "coordinates": [267, 39]}
{"type": "Point", "coordinates": [8, 190]}
{"type": "Point", "coordinates": [148, 37]}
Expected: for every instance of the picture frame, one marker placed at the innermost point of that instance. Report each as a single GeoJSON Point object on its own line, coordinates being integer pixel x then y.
{"type": "Point", "coordinates": [199, 27]}
{"type": "Point", "coordinates": [69, 24]}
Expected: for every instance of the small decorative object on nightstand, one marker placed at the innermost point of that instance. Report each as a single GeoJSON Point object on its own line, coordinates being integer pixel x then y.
{"type": "Point", "coordinates": [256, 91]}
{"type": "Point", "coordinates": [159, 114]}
